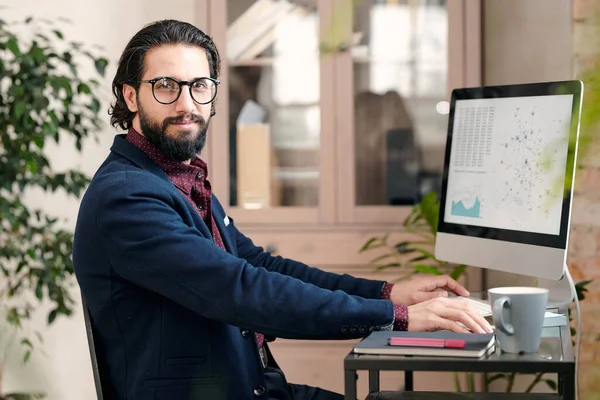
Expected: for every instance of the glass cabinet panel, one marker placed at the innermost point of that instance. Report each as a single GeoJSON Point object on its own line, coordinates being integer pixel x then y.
{"type": "Point", "coordinates": [272, 51]}
{"type": "Point", "coordinates": [400, 69]}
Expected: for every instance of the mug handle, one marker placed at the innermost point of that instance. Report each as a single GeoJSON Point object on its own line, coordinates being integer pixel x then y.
{"type": "Point", "coordinates": [497, 307]}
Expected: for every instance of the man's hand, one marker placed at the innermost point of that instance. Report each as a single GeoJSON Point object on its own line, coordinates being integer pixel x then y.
{"type": "Point", "coordinates": [425, 288]}
{"type": "Point", "coordinates": [444, 313]}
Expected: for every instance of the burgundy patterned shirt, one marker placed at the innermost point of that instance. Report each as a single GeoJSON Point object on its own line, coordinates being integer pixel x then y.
{"type": "Point", "coordinates": [191, 180]}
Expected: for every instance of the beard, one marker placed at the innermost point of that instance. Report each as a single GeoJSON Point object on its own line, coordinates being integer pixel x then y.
{"type": "Point", "coordinates": [185, 145]}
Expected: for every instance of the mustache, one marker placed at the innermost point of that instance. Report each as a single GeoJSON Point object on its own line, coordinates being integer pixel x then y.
{"type": "Point", "coordinates": [181, 118]}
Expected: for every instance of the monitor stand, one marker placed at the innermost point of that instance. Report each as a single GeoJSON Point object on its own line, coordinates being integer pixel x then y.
{"type": "Point", "coordinates": [562, 292]}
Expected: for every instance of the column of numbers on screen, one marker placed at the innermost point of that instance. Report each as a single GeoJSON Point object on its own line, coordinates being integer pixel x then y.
{"type": "Point", "coordinates": [473, 136]}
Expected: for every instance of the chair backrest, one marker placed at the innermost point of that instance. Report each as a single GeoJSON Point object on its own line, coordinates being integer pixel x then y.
{"type": "Point", "coordinates": [92, 347]}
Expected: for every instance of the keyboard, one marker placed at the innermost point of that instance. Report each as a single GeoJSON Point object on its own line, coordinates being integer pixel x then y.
{"type": "Point", "coordinates": [483, 307]}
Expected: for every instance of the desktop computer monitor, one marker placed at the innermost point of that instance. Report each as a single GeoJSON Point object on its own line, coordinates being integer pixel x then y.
{"type": "Point", "coordinates": [506, 192]}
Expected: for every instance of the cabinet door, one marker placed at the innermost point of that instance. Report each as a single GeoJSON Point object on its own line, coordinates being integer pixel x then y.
{"type": "Point", "coordinates": [400, 59]}
{"type": "Point", "coordinates": [271, 140]}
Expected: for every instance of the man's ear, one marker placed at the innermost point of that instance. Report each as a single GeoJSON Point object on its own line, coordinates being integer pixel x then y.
{"type": "Point", "coordinates": [129, 94]}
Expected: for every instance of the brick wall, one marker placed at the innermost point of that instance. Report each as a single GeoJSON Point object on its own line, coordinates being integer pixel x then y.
{"type": "Point", "coordinates": [584, 250]}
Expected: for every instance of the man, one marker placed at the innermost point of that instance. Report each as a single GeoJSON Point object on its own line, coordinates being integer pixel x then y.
{"type": "Point", "coordinates": [180, 300]}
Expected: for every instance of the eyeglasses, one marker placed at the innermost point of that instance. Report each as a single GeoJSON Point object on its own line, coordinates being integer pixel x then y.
{"type": "Point", "coordinates": [167, 90]}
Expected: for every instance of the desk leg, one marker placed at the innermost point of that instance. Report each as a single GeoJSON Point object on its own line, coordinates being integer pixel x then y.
{"type": "Point", "coordinates": [350, 384]}
{"type": "Point", "coordinates": [408, 381]}
{"type": "Point", "coordinates": [373, 381]}
{"type": "Point", "coordinates": [566, 386]}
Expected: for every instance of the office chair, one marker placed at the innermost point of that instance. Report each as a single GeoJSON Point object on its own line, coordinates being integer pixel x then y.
{"type": "Point", "coordinates": [90, 337]}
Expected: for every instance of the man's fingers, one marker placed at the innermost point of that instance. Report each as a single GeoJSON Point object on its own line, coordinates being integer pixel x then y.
{"type": "Point", "coordinates": [474, 315]}
{"type": "Point", "coordinates": [463, 317]}
{"type": "Point", "coordinates": [444, 282]}
{"type": "Point", "coordinates": [482, 322]}
{"type": "Point", "coordinates": [424, 296]}
{"type": "Point", "coordinates": [454, 286]}
{"type": "Point", "coordinates": [442, 313]}
{"type": "Point", "coordinates": [450, 325]}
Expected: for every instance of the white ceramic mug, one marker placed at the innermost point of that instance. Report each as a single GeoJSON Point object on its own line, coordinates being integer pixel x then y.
{"type": "Point", "coordinates": [518, 314]}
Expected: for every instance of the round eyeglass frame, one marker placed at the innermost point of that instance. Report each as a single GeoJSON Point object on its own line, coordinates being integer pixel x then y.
{"type": "Point", "coordinates": [180, 84]}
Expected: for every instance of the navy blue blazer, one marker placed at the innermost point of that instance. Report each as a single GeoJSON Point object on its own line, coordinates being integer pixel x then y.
{"type": "Point", "coordinates": [173, 313]}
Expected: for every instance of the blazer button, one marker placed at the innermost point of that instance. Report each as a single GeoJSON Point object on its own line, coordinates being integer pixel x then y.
{"type": "Point", "coordinates": [259, 390]}
{"type": "Point", "coordinates": [245, 333]}
{"type": "Point", "coordinates": [353, 329]}
{"type": "Point", "coordinates": [363, 329]}
{"type": "Point", "coordinates": [344, 329]}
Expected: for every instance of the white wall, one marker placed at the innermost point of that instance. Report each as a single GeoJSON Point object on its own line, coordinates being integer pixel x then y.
{"type": "Point", "coordinates": [64, 371]}
{"type": "Point", "coordinates": [527, 41]}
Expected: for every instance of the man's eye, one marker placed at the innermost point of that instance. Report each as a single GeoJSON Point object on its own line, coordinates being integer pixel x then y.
{"type": "Point", "coordinates": [166, 84]}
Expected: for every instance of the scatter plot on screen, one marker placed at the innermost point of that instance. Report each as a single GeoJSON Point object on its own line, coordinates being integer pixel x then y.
{"type": "Point", "coordinates": [508, 160]}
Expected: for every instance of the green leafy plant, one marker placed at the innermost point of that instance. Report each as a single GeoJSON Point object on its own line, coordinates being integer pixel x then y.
{"type": "Point", "coordinates": [415, 256]}
{"type": "Point", "coordinates": [43, 98]}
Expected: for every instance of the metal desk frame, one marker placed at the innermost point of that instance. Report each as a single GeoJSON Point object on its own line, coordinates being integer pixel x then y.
{"type": "Point", "coordinates": [563, 364]}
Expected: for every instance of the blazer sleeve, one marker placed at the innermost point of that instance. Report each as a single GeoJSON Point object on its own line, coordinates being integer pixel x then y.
{"type": "Point", "coordinates": [255, 255]}
{"type": "Point", "coordinates": [148, 243]}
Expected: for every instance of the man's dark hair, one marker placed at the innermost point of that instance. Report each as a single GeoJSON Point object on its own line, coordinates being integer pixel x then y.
{"type": "Point", "coordinates": [131, 63]}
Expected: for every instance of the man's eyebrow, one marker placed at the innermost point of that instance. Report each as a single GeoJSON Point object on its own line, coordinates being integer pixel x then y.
{"type": "Point", "coordinates": [178, 79]}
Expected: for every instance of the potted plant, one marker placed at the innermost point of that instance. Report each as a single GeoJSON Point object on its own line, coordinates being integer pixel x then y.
{"type": "Point", "coordinates": [43, 98]}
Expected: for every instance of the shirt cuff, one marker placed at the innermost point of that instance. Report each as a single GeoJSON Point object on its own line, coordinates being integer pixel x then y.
{"type": "Point", "coordinates": [400, 317]}
{"type": "Point", "coordinates": [386, 292]}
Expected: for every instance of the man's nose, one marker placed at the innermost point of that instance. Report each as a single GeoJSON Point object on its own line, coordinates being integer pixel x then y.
{"type": "Point", "coordinates": [185, 103]}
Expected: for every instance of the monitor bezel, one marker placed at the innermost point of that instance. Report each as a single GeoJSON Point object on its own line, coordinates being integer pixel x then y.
{"type": "Point", "coordinates": [559, 241]}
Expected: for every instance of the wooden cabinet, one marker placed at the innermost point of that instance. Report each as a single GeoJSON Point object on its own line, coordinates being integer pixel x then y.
{"type": "Point", "coordinates": [333, 112]}
{"type": "Point", "coordinates": [330, 122]}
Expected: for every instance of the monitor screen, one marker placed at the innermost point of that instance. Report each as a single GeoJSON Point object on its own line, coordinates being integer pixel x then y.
{"type": "Point", "coordinates": [507, 164]}
{"type": "Point", "coordinates": [509, 168]}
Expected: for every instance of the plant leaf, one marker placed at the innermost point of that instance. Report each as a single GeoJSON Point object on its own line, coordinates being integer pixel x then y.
{"type": "Point", "coordinates": [406, 250]}
{"type": "Point", "coordinates": [12, 45]}
{"type": "Point", "coordinates": [381, 257]}
{"type": "Point", "coordinates": [83, 88]}
{"type": "Point", "coordinates": [426, 269]}
{"type": "Point", "coordinates": [20, 108]}
{"type": "Point", "coordinates": [100, 65]}
{"type": "Point", "coordinates": [551, 384]}
{"type": "Point", "coordinates": [426, 253]}
{"type": "Point", "coordinates": [369, 244]}
{"type": "Point", "coordinates": [52, 316]}
{"type": "Point", "coordinates": [581, 289]}
{"type": "Point", "coordinates": [24, 396]}
{"type": "Point", "coordinates": [26, 356]}
{"type": "Point", "coordinates": [458, 271]}
{"type": "Point", "coordinates": [419, 258]}
{"type": "Point", "coordinates": [385, 238]}
{"type": "Point", "coordinates": [389, 265]}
